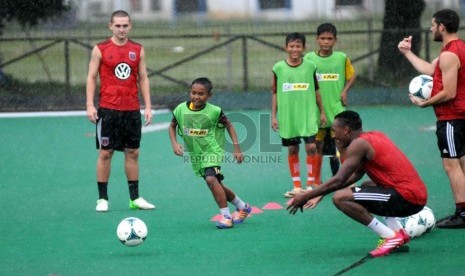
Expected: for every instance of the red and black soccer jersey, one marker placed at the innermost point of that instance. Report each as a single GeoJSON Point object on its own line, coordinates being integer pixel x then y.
{"type": "Point", "coordinates": [118, 72]}
{"type": "Point", "coordinates": [391, 168]}
{"type": "Point", "coordinates": [455, 108]}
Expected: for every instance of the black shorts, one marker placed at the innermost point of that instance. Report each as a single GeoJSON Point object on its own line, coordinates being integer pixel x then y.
{"type": "Point", "coordinates": [451, 138]}
{"type": "Point", "coordinates": [326, 135]}
{"type": "Point", "coordinates": [384, 201]}
{"type": "Point", "coordinates": [212, 171]}
{"type": "Point", "coordinates": [118, 130]}
{"type": "Point", "coordinates": [296, 140]}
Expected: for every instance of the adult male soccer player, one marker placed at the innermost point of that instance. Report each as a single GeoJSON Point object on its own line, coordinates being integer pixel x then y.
{"type": "Point", "coordinates": [448, 101]}
{"type": "Point", "coordinates": [120, 63]}
{"type": "Point", "coordinates": [394, 190]}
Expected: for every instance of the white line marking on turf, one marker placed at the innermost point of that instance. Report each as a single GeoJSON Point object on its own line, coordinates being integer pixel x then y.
{"type": "Point", "coordinates": [61, 113]}
{"type": "Point", "coordinates": [155, 127]}
{"type": "Point", "coordinates": [428, 128]}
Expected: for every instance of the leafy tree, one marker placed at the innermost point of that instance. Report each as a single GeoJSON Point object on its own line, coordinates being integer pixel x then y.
{"type": "Point", "coordinates": [401, 19]}
{"type": "Point", "coordinates": [30, 12]}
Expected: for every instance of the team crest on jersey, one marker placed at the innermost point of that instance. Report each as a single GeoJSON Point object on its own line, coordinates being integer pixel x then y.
{"type": "Point", "coordinates": [105, 141]}
{"type": "Point", "coordinates": [195, 132]}
{"type": "Point", "coordinates": [327, 77]}
{"type": "Point", "coordinates": [122, 71]}
{"type": "Point", "coordinates": [132, 55]}
{"type": "Point", "coordinates": [295, 86]}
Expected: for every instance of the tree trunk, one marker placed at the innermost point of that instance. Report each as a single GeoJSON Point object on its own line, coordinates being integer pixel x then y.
{"type": "Point", "coordinates": [401, 19]}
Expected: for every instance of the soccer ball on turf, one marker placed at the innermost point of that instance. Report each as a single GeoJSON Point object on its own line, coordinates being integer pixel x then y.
{"type": "Point", "coordinates": [421, 86]}
{"type": "Point", "coordinates": [414, 225]}
{"type": "Point", "coordinates": [131, 231]}
{"type": "Point", "coordinates": [419, 223]}
{"type": "Point", "coordinates": [428, 216]}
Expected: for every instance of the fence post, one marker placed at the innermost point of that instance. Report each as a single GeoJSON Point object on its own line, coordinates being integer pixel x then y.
{"type": "Point", "coordinates": [245, 85]}
{"type": "Point", "coordinates": [229, 59]}
{"type": "Point", "coordinates": [427, 46]}
{"type": "Point", "coordinates": [67, 69]}
{"type": "Point", "coordinates": [370, 50]}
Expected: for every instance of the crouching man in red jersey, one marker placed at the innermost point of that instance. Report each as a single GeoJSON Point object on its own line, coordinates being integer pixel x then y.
{"type": "Point", "coordinates": [394, 190]}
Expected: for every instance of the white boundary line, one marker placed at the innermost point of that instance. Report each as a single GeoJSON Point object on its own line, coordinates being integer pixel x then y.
{"type": "Point", "coordinates": [428, 128]}
{"type": "Point", "coordinates": [62, 113]}
{"type": "Point", "coordinates": [155, 127]}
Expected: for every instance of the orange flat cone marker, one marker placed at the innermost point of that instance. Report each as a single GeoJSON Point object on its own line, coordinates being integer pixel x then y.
{"type": "Point", "coordinates": [272, 206]}
{"type": "Point", "coordinates": [256, 210]}
{"type": "Point", "coordinates": [216, 217]}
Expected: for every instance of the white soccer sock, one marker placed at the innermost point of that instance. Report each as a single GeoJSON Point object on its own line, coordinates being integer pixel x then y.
{"type": "Point", "coordinates": [382, 230]}
{"type": "Point", "coordinates": [393, 223]}
{"type": "Point", "coordinates": [238, 203]}
{"type": "Point", "coordinates": [225, 212]}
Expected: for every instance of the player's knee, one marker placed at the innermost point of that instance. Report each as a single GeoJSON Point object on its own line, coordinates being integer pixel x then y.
{"type": "Point", "coordinates": [105, 154]}
{"type": "Point", "coordinates": [311, 148]}
{"type": "Point", "coordinates": [211, 181]}
{"type": "Point", "coordinates": [339, 197]}
{"type": "Point", "coordinates": [132, 154]}
{"type": "Point", "coordinates": [294, 149]}
{"type": "Point", "coordinates": [451, 166]}
{"type": "Point", "coordinates": [336, 200]}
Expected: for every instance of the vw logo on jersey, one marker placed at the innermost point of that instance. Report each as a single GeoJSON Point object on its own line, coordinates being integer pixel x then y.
{"type": "Point", "coordinates": [122, 71]}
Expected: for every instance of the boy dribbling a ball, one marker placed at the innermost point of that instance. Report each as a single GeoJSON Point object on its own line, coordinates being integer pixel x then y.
{"type": "Point", "coordinates": [202, 126]}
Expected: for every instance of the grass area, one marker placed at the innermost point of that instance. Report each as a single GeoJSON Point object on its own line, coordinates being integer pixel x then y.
{"type": "Point", "coordinates": [227, 65]}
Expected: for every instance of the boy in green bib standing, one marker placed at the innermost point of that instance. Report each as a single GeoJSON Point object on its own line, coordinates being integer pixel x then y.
{"type": "Point", "coordinates": [296, 108]}
{"type": "Point", "coordinates": [336, 76]}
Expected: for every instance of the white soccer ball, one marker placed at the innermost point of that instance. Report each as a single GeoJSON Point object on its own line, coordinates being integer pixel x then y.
{"type": "Point", "coordinates": [428, 216]}
{"type": "Point", "coordinates": [131, 231]}
{"type": "Point", "coordinates": [421, 86]}
{"type": "Point", "coordinates": [414, 225]}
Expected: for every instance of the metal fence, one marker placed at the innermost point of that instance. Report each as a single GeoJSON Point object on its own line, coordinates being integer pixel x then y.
{"type": "Point", "coordinates": [236, 56]}
{"type": "Point", "coordinates": [236, 61]}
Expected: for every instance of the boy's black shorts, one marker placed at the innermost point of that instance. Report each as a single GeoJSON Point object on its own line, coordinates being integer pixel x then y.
{"type": "Point", "coordinates": [326, 135]}
{"type": "Point", "coordinates": [296, 140]}
{"type": "Point", "coordinates": [212, 171]}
